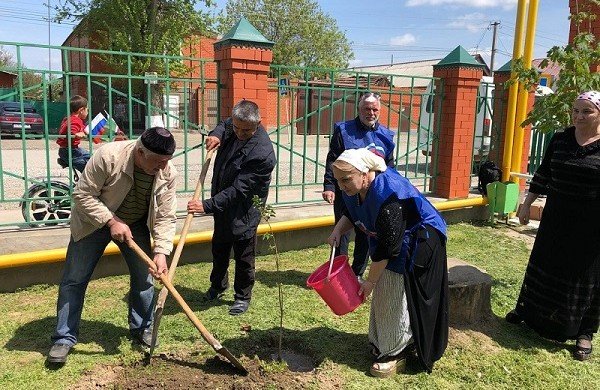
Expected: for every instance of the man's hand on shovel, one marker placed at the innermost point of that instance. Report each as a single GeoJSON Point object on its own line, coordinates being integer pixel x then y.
{"type": "Point", "coordinates": [161, 265]}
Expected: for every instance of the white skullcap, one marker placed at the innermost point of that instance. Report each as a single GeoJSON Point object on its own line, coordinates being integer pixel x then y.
{"type": "Point", "coordinates": [363, 159]}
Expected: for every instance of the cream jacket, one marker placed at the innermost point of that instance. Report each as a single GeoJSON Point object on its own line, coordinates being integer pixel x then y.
{"type": "Point", "coordinates": [103, 186]}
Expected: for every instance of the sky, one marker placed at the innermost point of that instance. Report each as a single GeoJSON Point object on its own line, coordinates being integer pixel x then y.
{"type": "Point", "coordinates": [380, 31]}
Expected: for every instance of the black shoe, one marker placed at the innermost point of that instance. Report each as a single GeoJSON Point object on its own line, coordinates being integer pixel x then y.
{"type": "Point", "coordinates": [58, 353]}
{"type": "Point", "coordinates": [583, 353]}
{"type": "Point", "coordinates": [513, 317]}
{"type": "Point", "coordinates": [213, 294]}
{"type": "Point", "coordinates": [239, 307]}
{"type": "Point", "coordinates": [144, 338]}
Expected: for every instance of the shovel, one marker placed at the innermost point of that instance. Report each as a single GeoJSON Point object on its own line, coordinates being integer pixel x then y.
{"type": "Point", "coordinates": [206, 335]}
{"type": "Point", "coordinates": [162, 296]}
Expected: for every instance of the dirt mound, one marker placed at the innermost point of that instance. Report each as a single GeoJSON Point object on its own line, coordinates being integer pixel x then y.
{"type": "Point", "coordinates": [194, 372]}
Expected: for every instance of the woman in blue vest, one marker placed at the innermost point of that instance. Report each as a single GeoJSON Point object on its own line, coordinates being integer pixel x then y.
{"type": "Point", "coordinates": [408, 276]}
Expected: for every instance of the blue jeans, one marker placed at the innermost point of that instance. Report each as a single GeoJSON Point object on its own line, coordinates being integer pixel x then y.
{"type": "Point", "coordinates": [79, 157]}
{"type": "Point", "coordinates": [82, 257]}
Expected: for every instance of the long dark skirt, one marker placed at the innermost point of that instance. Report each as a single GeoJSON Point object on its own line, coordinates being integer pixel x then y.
{"type": "Point", "coordinates": [560, 295]}
{"type": "Point", "coordinates": [427, 296]}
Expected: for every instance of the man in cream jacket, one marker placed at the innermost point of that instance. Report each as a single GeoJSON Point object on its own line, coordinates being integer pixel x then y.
{"type": "Point", "coordinates": [126, 192]}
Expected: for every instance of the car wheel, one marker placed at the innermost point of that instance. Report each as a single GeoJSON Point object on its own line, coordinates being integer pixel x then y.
{"type": "Point", "coordinates": [47, 205]}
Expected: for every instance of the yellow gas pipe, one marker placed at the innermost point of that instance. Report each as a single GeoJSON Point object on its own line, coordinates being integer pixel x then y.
{"type": "Point", "coordinates": [512, 93]}
{"type": "Point", "coordinates": [57, 255]}
{"type": "Point", "coordinates": [517, 149]}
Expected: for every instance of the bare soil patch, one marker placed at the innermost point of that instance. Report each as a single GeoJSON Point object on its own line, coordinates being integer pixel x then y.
{"type": "Point", "coordinates": [170, 371]}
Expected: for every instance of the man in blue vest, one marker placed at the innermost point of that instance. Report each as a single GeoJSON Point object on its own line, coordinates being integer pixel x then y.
{"type": "Point", "coordinates": [364, 131]}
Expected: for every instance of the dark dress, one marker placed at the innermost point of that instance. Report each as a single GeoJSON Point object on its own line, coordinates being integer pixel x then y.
{"type": "Point", "coordinates": [426, 285]}
{"type": "Point", "coordinates": [560, 295]}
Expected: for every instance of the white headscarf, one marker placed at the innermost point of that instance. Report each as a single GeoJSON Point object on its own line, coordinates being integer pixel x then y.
{"type": "Point", "coordinates": [363, 159]}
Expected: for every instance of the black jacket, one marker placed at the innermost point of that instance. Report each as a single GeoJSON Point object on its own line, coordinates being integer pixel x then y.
{"type": "Point", "coordinates": [236, 180]}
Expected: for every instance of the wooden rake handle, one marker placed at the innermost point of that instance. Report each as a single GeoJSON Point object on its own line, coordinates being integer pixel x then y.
{"type": "Point", "coordinates": [206, 335]}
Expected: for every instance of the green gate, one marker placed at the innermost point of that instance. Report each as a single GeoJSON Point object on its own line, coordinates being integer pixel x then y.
{"type": "Point", "coordinates": [132, 90]}
{"type": "Point", "coordinates": [311, 100]}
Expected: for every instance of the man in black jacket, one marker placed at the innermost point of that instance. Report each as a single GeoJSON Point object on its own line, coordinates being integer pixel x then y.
{"type": "Point", "coordinates": [242, 169]}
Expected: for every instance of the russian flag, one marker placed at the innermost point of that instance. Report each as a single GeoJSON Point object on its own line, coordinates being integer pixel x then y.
{"type": "Point", "coordinates": [98, 124]}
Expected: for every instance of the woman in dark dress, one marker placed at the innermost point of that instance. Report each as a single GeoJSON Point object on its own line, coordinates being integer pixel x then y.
{"type": "Point", "coordinates": [407, 245]}
{"type": "Point", "coordinates": [560, 295]}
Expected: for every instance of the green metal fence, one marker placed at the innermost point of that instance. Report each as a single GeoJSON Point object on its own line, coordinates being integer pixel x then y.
{"type": "Point", "coordinates": [539, 144]}
{"type": "Point", "coordinates": [131, 89]}
{"type": "Point", "coordinates": [134, 88]}
{"type": "Point", "coordinates": [310, 101]}
{"type": "Point", "coordinates": [487, 130]}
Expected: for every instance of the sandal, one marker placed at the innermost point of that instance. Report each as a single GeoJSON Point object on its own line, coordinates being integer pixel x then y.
{"type": "Point", "coordinates": [239, 307]}
{"type": "Point", "coordinates": [388, 366]}
{"type": "Point", "coordinates": [582, 353]}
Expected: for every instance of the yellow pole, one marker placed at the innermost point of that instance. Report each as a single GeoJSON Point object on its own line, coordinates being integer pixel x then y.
{"type": "Point", "coordinates": [523, 96]}
{"type": "Point", "coordinates": [512, 93]}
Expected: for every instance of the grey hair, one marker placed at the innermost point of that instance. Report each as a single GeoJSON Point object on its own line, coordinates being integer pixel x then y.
{"type": "Point", "coordinates": [368, 96]}
{"type": "Point", "coordinates": [246, 111]}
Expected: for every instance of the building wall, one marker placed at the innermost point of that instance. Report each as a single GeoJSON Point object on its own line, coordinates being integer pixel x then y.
{"type": "Point", "coordinates": [7, 80]}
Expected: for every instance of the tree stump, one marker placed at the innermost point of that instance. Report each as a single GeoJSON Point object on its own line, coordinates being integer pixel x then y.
{"type": "Point", "coordinates": [470, 293]}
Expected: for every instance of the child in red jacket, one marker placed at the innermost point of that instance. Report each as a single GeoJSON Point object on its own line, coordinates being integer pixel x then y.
{"type": "Point", "coordinates": [79, 156]}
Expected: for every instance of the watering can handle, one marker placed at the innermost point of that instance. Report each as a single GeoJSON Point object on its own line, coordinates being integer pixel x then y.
{"type": "Point", "coordinates": [331, 259]}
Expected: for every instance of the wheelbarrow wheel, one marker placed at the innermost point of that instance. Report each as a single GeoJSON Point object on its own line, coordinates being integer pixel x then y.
{"type": "Point", "coordinates": [47, 205]}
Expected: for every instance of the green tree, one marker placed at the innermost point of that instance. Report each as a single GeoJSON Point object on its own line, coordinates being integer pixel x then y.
{"type": "Point", "coordinates": [32, 82]}
{"type": "Point", "coordinates": [6, 58]}
{"type": "Point", "coordinates": [576, 61]}
{"type": "Point", "coordinates": [303, 34]}
{"type": "Point", "coordinates": [142, 26]}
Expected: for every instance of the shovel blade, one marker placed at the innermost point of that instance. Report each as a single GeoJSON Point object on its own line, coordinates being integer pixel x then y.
{"type": "Point", "coordinates": [225, 352]}
{"type": "Point", "coordinates": [155, 326]}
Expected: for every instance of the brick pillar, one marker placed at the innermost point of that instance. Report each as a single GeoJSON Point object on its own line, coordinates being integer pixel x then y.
{"type": "Point", "coordinates": [244, 57]}
{"type": "Point", "coordinates": [456, 127]}
{"type": "Point", "coordinates": [501, 112]}
{"type": "Point", "coordinates": [591, 27]}
{"type": "Point", "coordinates": [243, 75]}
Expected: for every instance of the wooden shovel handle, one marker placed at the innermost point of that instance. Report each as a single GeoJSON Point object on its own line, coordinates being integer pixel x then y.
{"type": "Point", "coordinates": [206, 335]}
{"type": "Point", "coordinates": [190, 216]}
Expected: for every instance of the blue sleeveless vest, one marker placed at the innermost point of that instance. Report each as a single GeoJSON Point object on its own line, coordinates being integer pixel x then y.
{"type": "Point", "coordinates": [379, 140]}
{"type": "Point", "coordinates": [364, 215]}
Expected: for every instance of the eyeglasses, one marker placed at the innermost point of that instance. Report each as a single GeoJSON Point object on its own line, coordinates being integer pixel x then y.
{"type": "Point", "coordinates": [369, 94]}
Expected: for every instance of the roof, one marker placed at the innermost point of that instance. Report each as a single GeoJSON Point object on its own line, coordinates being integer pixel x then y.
{"type": "Point", "coordinates": [243, 32]}
{"type": "Point", "coordinates": [459, 56]}
{"type": "Point", "coordinates": [552, 69]}
{"type": "Point", "coordinates": [7, 72]}
{"type": "Point", "coordinates": [407, 73]}
{"type": "Point", "coordinates": [413, 73]}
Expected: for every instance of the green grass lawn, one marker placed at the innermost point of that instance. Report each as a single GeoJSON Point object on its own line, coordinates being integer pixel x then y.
{"type": "Point", "coordinates": [491, 355]}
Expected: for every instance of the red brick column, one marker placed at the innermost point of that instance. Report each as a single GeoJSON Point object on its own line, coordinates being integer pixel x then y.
{"type": "Point", "coordinates": [500, 114]}
{"type": "Point", "coordinates": [243, 72]}
{"type": "Point", "coordinates": [456, 129]}
{"type": "Point", "coordinates": [591, 27]}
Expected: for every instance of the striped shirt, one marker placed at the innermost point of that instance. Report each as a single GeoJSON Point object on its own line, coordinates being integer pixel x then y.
{"type": "Point", "coordinates": [569, 169]}
{"type": "Point", "coordinates": [136, 203]}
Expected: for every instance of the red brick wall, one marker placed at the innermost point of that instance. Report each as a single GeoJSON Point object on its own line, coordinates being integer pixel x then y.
{"type": "Point", "coordinates": [592, 27]}
{"type": "Point", "coordinates": [200, 47]}
{"type": "Point", "coordinates": [7, 80]}
{"type": "Point", "coordinates": [388, 99]}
